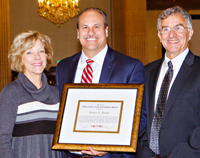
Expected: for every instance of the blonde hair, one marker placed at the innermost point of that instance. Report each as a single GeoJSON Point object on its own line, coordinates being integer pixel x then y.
{"type": "Point", "coordinates": [24, 41]}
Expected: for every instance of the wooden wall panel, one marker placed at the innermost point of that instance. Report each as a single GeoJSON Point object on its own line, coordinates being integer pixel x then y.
{"type": "Point", "coordinates": [117, 25]}
{"type": "Point", "coordinates": [5, 72]}
{"type": "Point", "coordinates": [128, 28]}
{"type": "Point", "coordinates": [135, 30]}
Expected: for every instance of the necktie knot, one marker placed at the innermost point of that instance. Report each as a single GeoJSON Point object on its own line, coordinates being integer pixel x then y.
{"type": "Point", "coordinates": [170, 70]}
{"type": "Point", "coordinates": [170, 65]}
{"type": "Point", "coordinates": [89, 61]}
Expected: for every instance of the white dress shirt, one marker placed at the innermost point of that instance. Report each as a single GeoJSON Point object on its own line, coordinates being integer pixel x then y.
{"type": "Point", "coordinates": [176, 62]}
{"type": "Point", "coordinates": [96, 66]}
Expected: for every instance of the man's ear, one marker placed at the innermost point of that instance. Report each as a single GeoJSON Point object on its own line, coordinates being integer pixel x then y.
{"type": "Point", "coordinates": [77, 33]}
{"type": "Point", "coordinates": [159, 36]}
{"type": "Point", "coordinates": [191, 33]}
{"type": "Point", "coordinates": [106, 31]}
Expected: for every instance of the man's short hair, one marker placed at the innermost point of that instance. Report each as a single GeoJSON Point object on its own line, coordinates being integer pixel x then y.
{"type": "Point", "coordinates": [172, 11]}
{"type": "Point", "coordinates": [24, 41]}
{"type": "Point", "coordinates": [94, 9]}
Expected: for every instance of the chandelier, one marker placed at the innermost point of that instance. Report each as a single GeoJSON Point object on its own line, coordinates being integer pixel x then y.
{"type": "Point", "coordinates": [58, 11]}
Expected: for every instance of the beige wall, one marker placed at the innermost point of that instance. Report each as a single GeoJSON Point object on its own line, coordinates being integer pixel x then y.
{"type": "Point", "coordinates": [24, 16]}
{"type": "Point", "coordinates": [194, 43]}
{"type": "Point", "coordinates": [154, 48]}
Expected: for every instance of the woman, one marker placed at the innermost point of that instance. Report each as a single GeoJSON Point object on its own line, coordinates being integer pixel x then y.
{"type": "Point", "coordinates": [28, 105]}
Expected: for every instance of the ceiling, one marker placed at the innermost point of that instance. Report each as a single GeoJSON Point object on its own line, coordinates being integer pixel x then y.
{"type": "Point", "coordinates": [163, 4]}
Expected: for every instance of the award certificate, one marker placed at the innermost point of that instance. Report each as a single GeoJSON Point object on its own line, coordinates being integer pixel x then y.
{"type": "Point", "coordinates": [105, 117]}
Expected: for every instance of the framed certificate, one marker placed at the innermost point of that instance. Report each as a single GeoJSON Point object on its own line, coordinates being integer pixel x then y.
{"type": "Point", "coordinates": [105, 117]}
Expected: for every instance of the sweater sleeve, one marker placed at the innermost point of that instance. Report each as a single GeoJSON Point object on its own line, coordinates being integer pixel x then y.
{"type": "Point", "coordinates": [8, 112]}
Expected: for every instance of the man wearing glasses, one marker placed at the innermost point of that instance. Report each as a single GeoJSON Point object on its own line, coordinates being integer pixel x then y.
{"type": "Point", "coordinates": [172, 88]}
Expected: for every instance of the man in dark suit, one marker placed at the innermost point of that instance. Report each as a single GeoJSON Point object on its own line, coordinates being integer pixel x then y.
{"type": "Point", "coordinates": [177, 122]}
{"type": "Point", "coordinates": [109, 66]}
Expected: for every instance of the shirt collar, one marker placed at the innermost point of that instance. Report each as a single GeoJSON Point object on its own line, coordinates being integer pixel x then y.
{"type": "Point", "coordinates": [177, 61]}
{"type": "Point", "coordinates": [99, 58]}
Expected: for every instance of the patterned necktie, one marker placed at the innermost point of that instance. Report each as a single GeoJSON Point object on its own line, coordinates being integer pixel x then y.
{"type": "Point", "coordinates": [160, 108]}
{"type": "Point", "coordinates": [87, 72]}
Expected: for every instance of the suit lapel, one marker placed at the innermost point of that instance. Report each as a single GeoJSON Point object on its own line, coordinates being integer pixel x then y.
{"type": "Point", "coordinates": [73, 67]}
{"type": "Point", "coordinates": [153, 80]}
{"type": "Point", "coordinates": [181, 77]}
{"type": "Point", "coordinates": [108, 66]}
{"type": "Point", "coordinates": [106, 71]}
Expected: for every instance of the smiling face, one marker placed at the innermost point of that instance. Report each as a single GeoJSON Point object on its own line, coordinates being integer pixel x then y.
{"type": "Point", "coordinates": [34, 60]}
{"type": "Point", "coordinates": [92, 33]}
{"type": "Point", "coordinates": [175, 43]}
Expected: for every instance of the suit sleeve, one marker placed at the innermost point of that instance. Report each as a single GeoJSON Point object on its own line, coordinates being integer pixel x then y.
{"type": "Point", "coordinates": [58, 78]}
{"type": "Point", "coordinates": [137, 76]}
{"type": "Point", "coordinates": [190, 148]}
{"type": "Point", "coordinates": [143, 150]}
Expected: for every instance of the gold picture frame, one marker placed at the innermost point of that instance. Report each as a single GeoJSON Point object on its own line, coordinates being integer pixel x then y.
{"type": "Point", "coordinates": [122, 96]}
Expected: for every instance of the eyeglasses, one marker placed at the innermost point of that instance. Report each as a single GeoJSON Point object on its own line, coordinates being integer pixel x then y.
{"type": "Point", "coordinates": [177, 29]}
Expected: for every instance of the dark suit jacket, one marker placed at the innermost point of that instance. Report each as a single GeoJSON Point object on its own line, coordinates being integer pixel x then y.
{"type": "Point", "coordinates": [180, 128]}
{"type": "Point", "coordinates": [117, 68]}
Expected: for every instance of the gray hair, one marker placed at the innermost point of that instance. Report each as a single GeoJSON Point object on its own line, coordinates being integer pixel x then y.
{"type": "Point", "coordinates": [172, 11]}
{"type": "Point", "coordinates": [94, 9]}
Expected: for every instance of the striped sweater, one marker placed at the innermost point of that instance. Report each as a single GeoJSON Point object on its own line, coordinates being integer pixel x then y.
{"type": "Point", "coordinates": [27, 119]}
